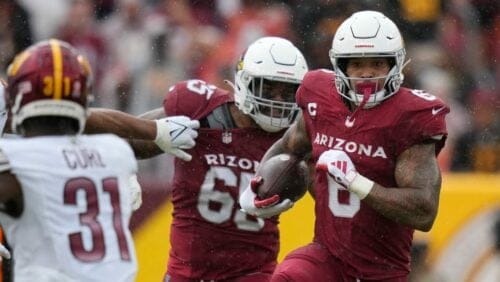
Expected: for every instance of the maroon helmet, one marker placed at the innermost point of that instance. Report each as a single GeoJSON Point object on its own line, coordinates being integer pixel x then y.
{"type": "Point", "coordinates": [49, 78]}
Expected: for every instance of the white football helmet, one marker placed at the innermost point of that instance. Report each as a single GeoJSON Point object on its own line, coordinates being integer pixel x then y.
{"type": "Point", "coordinates": [367, 34]}
{"type": "Point", "coordinates": [267, 62]}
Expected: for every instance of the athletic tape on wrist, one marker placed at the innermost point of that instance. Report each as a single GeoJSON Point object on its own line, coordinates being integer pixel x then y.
{"type": "Point", "coordinates": [360, 185]}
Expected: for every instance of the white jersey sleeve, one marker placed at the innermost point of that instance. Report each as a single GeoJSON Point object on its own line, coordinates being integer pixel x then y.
{"type": "Point", "coordinates": [3, 109]}
{"type": "Point", "coordinates": [4, 162]}
{"type": "Point", "coordinates": [77, 209]}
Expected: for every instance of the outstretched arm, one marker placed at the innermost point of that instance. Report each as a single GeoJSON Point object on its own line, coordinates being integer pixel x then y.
{"type": "Point", "coordinates": [127, 126]}
{"type": "Point", "coordinates": [147, 137]}
{"type": "Point", "coordinates": [145, 149]}
{"type": "Point", "coordinates": [140, 132]}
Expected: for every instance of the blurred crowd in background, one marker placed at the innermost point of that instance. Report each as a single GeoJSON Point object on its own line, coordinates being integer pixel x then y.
{"type": "Point", "coordinates": [138, 48]}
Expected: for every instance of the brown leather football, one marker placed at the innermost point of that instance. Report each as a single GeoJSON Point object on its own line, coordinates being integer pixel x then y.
{"type": "Point", "coordinates": [285, 175]}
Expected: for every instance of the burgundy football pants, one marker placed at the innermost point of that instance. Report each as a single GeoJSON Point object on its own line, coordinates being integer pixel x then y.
{"type": "Point", "coordinates": [313, 263]}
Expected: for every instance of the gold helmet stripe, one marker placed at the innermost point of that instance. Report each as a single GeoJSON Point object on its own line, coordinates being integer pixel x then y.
{"type": "Point", "coordinates": [17, 63]}
{"type": "Point", "coordinates": [58, 68]}
{"type": "Point", "coordinates": [239, 66]}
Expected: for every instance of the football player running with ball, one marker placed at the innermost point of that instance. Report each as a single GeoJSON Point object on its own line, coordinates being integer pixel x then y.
{"type": "Point", "coordinates": [211, 238]}
{"type": "Point", "coordinates": [375, 145]}
{"type": "Point", "coordinates": [4, 251]}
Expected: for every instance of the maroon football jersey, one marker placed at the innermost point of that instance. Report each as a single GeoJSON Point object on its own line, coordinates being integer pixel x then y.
{"type": "Point", "coordinates": [211, 238]}
{"type": "Point", "coordinates": [373, 246]}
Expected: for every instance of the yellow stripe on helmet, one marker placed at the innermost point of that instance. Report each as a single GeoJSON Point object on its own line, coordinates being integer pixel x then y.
{"type": "Point", "coordinates": [17, 63]}
{"type": "Point", "coordinates": [58, 68]}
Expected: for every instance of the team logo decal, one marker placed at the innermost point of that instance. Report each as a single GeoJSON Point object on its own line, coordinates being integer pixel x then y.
{"type": "Point", "coordinates": [227, 137]}
{"type": "Point", "coordinates": [349, 122]}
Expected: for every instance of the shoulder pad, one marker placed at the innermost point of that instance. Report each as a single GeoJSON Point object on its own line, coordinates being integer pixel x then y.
{"type": "Point", "coordinates": [194, 98]}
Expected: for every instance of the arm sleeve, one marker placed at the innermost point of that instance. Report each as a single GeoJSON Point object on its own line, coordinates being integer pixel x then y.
{"type": "Point", "coordinates": [423, 125]}
{"type": "Point", "coordinates": [4, 162]}
{"type": "Point", "coordinates": [3, 109]}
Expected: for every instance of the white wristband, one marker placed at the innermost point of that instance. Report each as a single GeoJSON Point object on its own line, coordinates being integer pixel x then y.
{"type": "Point", "coordinates": [361, 186]}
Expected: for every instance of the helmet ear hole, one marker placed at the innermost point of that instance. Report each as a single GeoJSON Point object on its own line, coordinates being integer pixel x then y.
{"type": "Point", "coordinates": [392, 62]}
{"type": "Point", "coordinates": [253, 85]}
{"type": "Point", "coordinates": [342, 64]}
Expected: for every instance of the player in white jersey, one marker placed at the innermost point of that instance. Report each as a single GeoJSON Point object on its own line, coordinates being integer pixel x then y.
{"type": "Point", "coordinates": [65, 201]}
{"type": "Point", "coordinates": [4, 251]}
{"type": "Point", "coordinates": [72, 219]}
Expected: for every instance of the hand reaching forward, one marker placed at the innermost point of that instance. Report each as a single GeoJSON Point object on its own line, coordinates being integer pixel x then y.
{"type": "Point", "coordinates": [339, 166]}
{"type": "Point", "coordinates": [265, 208]}
{"type": "Point", "coordinates": [175, 133]}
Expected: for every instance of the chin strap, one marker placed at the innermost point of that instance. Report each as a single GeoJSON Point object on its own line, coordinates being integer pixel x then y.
{"type": "Point", "coordinates": [349, 122]}
{"type": "Point", "coordinates": [230, 83]}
